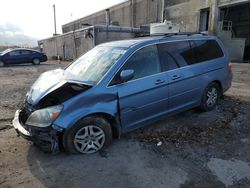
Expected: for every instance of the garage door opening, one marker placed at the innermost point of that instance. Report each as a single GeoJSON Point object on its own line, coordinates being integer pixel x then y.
{"type": "Point", "coordinates": [236, 19]}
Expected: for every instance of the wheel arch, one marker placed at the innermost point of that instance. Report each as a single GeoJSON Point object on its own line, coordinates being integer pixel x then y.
{"type": "Point", "coordinates": [218, 82]}
{"type": "Point", "coordinates": [114, 122]}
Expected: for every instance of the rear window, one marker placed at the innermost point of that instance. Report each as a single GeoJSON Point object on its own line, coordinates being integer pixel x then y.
{"type": "Point", "coordinates": [205, 50]}
{"type": "Point", "coordinates": [188, 52]}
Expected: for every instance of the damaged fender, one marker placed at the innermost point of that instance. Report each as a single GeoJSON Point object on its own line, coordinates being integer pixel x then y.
{"type": "Point", "coordinates": [105, 104]}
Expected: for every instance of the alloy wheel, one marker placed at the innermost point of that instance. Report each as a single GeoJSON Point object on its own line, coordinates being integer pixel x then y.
{"type": "Point", "coordinates": [89, 139]}
{"type": "Point", "coordinates": [212, 96]}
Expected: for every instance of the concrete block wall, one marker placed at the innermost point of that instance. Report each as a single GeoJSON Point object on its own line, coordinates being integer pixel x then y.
{"type": "Point", "coordinates": [187, 13]}
{"type": "Point", "coordinates": [102, 37]}
{"type": "Point", "coordinates": [71, 45]}
{"type": "Point", "coordinates": [65, 47]}
{"type": "Point", "coordinates": [132, 13]}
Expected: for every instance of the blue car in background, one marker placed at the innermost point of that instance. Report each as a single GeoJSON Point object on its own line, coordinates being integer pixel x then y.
{"type": "Point", "coordinates": [21, 55]}
{"type": "Point", "coordinates": [120, 86]}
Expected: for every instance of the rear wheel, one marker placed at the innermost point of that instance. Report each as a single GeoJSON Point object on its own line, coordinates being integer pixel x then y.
{"type": "Point", "coordinates": [2, 64]}
{"type": "Point", "coordinates": [88, 136]}
{"type": "Point", "coordinates": [210, 97]}
{"type": "Point", "coordinates": [36, 61]}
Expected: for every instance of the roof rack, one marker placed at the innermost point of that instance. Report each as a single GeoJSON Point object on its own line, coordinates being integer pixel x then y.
{"type": "Point", "coordinates": [173, 34]}
{"type": "Point", "coordinates": [185, 33]}
{"type": "Point", "coordinates": [180, 33]}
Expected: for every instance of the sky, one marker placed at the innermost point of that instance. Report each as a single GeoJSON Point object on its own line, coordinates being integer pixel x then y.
{"type": "Point", "coordinates": [26, 21]}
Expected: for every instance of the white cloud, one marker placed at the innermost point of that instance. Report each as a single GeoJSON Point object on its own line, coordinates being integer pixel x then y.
{"type": "Point", "coordinates": [35, 18]}
{"type": "Point", "coordinates": [11, 34]}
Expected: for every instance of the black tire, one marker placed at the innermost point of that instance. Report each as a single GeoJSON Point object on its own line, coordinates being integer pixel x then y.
{"type": "Point", "coordinates": [209, 103]}
{"type": "Point", "coordinates": [2, 64]}
{"type": "Point", "coordinates": [36, 61]}
{"type": "Point", "coordinates": [72, 144]}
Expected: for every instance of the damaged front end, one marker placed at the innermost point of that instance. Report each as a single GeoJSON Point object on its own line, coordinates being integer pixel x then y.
{"type": "Point", "coordinates": [43, 104]}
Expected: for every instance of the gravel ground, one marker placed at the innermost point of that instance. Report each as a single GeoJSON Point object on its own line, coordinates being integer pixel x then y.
{"type": "Point", "coordinates": [190, 149]}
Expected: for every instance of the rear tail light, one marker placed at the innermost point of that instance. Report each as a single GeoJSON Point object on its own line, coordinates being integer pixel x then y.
{"type": "Point", "coordinates": [230, 65]}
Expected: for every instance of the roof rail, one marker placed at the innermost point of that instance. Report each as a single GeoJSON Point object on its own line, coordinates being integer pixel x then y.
{"type": "Point", "coordinates": [180, 33]}
{"type": "Point", "coordinates": [172, 34]}
{"type": "Point", "coordinates": [185, 33]}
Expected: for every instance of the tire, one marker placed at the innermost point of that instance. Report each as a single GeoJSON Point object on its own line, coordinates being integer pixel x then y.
{"type": "Point", "coordinates": [210, 97]}
{"type": "Point", "coordinates": [87, 136]}
{"type": "Point", "coordinates": [2, 64]}
{"type": "Point", "coordinates": [36, 61]}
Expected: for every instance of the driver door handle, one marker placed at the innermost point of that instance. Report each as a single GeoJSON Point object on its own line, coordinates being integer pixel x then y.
{"type": "Point", "coordinates": [159, 81]}
{"type": "Point", "coordinates": [175, 77]}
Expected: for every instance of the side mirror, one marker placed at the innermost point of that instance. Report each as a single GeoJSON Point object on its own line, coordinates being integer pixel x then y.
{"type": "Point", "coordinates": [126, 75]}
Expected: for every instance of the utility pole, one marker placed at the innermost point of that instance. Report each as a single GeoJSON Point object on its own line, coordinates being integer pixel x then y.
{"type": "Point", "coordinates": [54, 7]}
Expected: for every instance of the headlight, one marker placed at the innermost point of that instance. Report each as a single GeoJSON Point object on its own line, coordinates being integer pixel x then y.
{"type": "Point", "coordinates": [44, 117]}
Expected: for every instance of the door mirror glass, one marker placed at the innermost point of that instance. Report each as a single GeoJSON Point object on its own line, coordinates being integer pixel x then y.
{"type": "Point", "coordinates": [126, 75]}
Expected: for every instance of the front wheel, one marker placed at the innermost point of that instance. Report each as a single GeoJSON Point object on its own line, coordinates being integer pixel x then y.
{"type": "Point", "coordinates": [88, 136]}
{"type": "Point", "coordinates": [210, 97]}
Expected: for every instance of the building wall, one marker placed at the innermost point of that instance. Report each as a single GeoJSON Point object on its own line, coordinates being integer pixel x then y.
{"type": "Point", "coordinates": [187, 13]}
{"type": "Point", "coordinates": [65, 47]}
{"type": "Point", "coordinates": [73, 44]}
{"type": "Point", "coordinates": [132, 13]}
{"type": "Point", "coordinates": [136, 13]}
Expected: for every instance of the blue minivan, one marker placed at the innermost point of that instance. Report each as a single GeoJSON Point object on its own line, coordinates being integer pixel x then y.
{"type": "Point", "coordinates": [120, 86]}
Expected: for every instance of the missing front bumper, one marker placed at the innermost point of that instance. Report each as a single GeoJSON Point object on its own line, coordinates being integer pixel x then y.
{"type": "Point", "coordinates": [45, 138]}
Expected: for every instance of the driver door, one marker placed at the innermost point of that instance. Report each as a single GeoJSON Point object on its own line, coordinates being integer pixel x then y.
{"type": "Point", "coordinates": [145, 96]}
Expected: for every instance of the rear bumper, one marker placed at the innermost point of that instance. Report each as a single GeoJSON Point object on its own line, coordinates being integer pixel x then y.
{"type": "Point", "coordinates": [44, 58]}
{"type": "Point", "coordinates": [228, 82]}
{"type": "Point", "coordinates": [45, 138]}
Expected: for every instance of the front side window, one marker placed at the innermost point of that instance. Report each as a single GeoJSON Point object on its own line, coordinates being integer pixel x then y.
{"type": "Point", "coordinates": [93, 65]}
{"type": "Point", "coordinates": [14, 53]}
{"type": "Point", "coordinates": [144, 62]}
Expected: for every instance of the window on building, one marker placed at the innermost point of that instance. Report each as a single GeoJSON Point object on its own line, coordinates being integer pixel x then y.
{"type": "Point", "coordinates": [204, 20]}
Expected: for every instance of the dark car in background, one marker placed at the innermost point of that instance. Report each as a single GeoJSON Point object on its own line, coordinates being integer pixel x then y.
{"type": "Point", "coordinates": [21, 55]}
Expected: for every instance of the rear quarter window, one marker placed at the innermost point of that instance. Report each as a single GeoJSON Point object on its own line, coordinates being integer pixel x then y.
{"type": "Point", "coordinates": [205, 50]}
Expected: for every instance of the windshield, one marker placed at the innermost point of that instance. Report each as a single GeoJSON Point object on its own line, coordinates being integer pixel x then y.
{"type": "Point", "coordinates": [94, 64]}
{"type": "Point", "coordinates": [5, 51]}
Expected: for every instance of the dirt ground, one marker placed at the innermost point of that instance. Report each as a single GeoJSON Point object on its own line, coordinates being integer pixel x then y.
{"type": "Point", "coordinates": [190, 149]}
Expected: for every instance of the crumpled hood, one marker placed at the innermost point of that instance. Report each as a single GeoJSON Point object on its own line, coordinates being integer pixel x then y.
{"type": "Point", "coordinates": [48, 82]}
